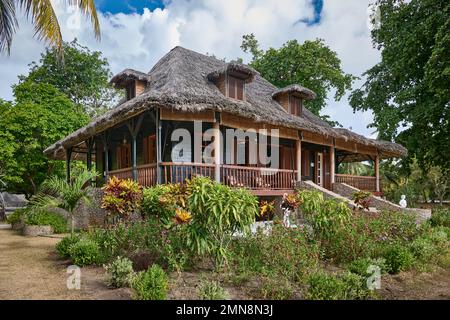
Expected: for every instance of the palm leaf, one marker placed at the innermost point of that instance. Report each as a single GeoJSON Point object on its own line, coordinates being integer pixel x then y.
{"type": "Point", "coordinates": [8, 24]}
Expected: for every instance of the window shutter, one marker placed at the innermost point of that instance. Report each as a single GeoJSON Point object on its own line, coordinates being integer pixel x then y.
{"type": "Point", "coordinates": [240, 89]}
{"type": "Point", "coordinates": [232, 87]}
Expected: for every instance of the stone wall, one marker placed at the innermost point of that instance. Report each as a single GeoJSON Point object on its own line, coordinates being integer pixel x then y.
{"type": "Point", "coordinates": [309, 185]}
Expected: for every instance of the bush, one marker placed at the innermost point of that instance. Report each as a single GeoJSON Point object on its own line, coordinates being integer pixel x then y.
{"type": "Point", "coordinates": [362, 199]}
{"type": "Point", "coordinates": [284, 251]}
{"type": "Point", "coordinates": [151, 284]}
{"type": "Point", "coordinates": [398, 258]}
{"type": "Point", "coordinates": [120, 272]}
{"type": "Point", "coordinates": [63, 246]}
{"type": "Point", "coordinates": [211, 290]}
{"type": "Point", "coordinates": [348, 286]}
{"type": "Point", "coordinates": [17, 216]}
{"type": "Point", "coordinates": [84, 252]}
{"type": "Point", "coordinates": [45, 218]}
{"type": "Point", "coordinates": [362, 266]}
{"type": "Point", "coordinates": [152, 201]}
{"type": "Point", "coordinates": [423, 249]}
{"type": "Point", "coordinates": [121, 198]}
{"type": "Point", "coordinates": [440, 217]}
{"type": "Point", "coordinates": [275, 288]}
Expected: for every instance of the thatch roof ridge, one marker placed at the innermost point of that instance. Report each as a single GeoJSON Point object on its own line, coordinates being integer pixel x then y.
{"type": "Point", "coordinates": [295, 88]}
{"type": "Point", "coordinates": [127, 74]}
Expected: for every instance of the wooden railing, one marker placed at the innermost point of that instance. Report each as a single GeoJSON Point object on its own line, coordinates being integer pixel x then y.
{"type": "Point", "coordinates": [253, 178]}
{"type": "Point", "coordinates": [125, 173]}
{"type": "Point", "coordinates": [146, 175]}
{"type": "Point", "coordinates": [361, 182]}
{"type": "Point", "coordinates": [179, 172]}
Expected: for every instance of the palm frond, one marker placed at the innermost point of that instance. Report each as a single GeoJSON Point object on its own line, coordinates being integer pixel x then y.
{"type": "Point", "coordinates": [8, 24]}
{"type": "Point", "coordinates": [89, 10]}
{"type": "Point", "coordinates": [44, 201]}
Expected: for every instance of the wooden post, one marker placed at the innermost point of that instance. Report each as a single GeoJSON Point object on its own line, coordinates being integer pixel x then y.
{"type": "Point", "coordinates": [217, 157]}
{"type": "Point", "coordinates": [332, 165]}
{"type": "Point", "coordinates": [68, 156]}
{"type": "Point", "coordinates": [133, 127]}
{"type": "Point", "coordinates": [298, 158]}
{"type": "Point", "coordinates": [377, 172]}
{"type": "Point", "coordinates": [158, 147]}
{"type": "Point", "coordinates": [89, 146]}
{"type": "Point", "coordinates": [105, 140]}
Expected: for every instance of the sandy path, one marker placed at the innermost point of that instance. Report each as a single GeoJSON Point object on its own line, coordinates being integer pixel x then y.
{"type": "Point", "coordinates": [31, 269]}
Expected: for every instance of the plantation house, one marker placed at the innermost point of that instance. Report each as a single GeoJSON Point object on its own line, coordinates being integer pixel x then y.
{"type": "Point", "coordinates": [188, 90]}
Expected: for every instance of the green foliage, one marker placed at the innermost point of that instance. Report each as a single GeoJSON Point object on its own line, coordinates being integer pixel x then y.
{"type": "Point", "coordinates": [362, 266]}
{"type": "Point", "coordinates": [120, 272]}
{"type": "Point", "coordinates": [348, 286]}
{"type": "Point", "coordinates": [218, 211]}
{"type": "Point", "coordinates": [17, 216]}
{"type": "Point", "coordinates": [83, 77]}
{"type": "Point", "coordinates": [398, 258]}
{"type": "Point", "coordinates": [121, 198]}
{"type": "Point", "coordinates": [211, 290]}
{"type": "Point", "coordinates": [409, 86]}
{"type": "Point", "coordinates": [274, 288]}
{"type": "Point", "coordinates": [151, 204]}
{"type": "Point", "coordinates": [46, 218]}
{"type": "Point", "coordinates": [63, 246]}
{"type": "Point", "coordinates": [311, 64]}
{"type": "Point", "coordinates": [58, 192]}
{"type": "Point", "coordinates": [40, 116]}
{"type": "Point", "coordinates": [440, 217]}
{"type": "Point", "coordinates": [84, 252]}
{"type": "Point", "coordinates": [284, 252]}
{"type": "Point", "coordinates": [151, 284]}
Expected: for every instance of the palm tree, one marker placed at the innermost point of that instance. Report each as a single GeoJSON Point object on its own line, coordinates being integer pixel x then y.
{"type": "Point", "coordinates": [43, 17]}
{"type": "Point", "coordinates": [57, 192]}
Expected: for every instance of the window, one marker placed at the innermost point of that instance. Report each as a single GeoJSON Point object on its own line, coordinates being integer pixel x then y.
{"type": "Point", "coordinates": [123, 153]}
{"type": "Point", "coordinates": [131, 91]}
{"type": "Point", "coordinates": [149, 149]}
{"type": "Point", "coordinates": [296, 106]}
{"type": "Point", "coordinates": [235, 88]}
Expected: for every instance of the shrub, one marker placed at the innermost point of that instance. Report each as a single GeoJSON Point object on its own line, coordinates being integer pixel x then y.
{"type": "Point", "coordinates": [150, 285]}
{"type": "Point", "coordinates": [84, 252]}
{"type": "Point", "coordinates": [45, 218]}
{"type": "Point", "coordinates": [162, 201]}
{"type": "Point", "coordinates": [362, 266]}
{"type": "Point", "coordinates": [121, 198]}
{"type": "Point", "coordinates": [120, 272]}
{"type": "Point", "coordinates": [17, 216]}
{"type": "Point", "coordinates": [440, 217]}
{"type": "Point", "coordinates": [398, 258]}
{"type": "Point", "coordinates": [217, 212]}
{"type": "Point", "coordinates": [284, 251]}
{"type": "Point", "coordinates": [276, 289]}
{"type": "Point", "coordinates": [362, 199]}
{"type": "Point", "coordinates": [211, 290]}
{"type": "Point", "coordinates": [348, 286]}
{"type": "Point", "coordinates": [63, 246]}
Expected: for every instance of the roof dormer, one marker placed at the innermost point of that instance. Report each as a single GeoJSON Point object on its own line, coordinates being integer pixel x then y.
{"type": "Point", "coordinates": [291, 98]}
{"type": "Point", "coordinates": [231, 79]}
{"type": "Point", "coordinates": [134, 82]}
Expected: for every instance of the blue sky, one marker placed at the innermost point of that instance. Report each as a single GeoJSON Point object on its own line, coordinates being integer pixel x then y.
{"type": "Point", "coordinates": [127, 6]}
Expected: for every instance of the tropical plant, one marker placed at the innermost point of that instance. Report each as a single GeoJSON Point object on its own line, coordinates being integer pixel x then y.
{"type": "Point", "coordinates": [211, 290]}
{"type": "Point", "coordinates": [398, 258]}
{"type": "Point", "coordinates": [43, 17]}
{"type": "Point", "coordinates": [290, 202]}
{"type": "Point", "coordinates": [84, 252]}
{"type": "Point", "coordinates": [440, 217]}
{"type": "Point", "coordinates": [63, 246]}
{"type": "Point", "coordinates": [120, 272]}
{"type": "Point", "coordinates": [151, 284]}
{"type": "Point", "coordinates": [121, 198]}
{"type": "Point", "coordinates": [58, 192]}
{"type": "Point", "coordinates": [40, 217]}
{"type": "Point", "coordinates": [362, 199]}
{"type": "Point", "coordinates": [266, 210]}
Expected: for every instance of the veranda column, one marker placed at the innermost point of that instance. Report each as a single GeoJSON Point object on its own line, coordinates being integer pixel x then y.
{"type": "Point", "coordinates": [332, 164]}
{"type": "Point", "coordinates": [377, 173]}
{"type": "Point", "coordinates": [158, 129]}
{"type": "Point", "coordinates": [298, 159]}
{"type": "Point", "coordinates": [133, 126]}
{"type": "Point", "coordinates": [217, 153]}
{"type": "Point", "coordinates": [68, 156]}
{"type": "Point", "coordinates": [105, 140]}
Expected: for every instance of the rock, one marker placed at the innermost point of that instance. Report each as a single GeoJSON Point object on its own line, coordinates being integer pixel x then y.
{"type": "Point", "coordinates": [34, 231]}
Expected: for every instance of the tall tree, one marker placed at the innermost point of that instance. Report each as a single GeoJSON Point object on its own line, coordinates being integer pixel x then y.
{"type": "Point", "coordinates": [311, 64]}
{"type": "Point", "coordinates": [46, 24]}
{"type": "Point", "coordinates": [39, 116]}
{"type": "Point", "coordinates": [83, 76]}
{"type": "Point", "coordinates": [409, 90]}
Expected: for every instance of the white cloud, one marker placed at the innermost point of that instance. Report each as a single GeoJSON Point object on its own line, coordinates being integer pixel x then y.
{"type": "Point", "coordinates": [214, 26]}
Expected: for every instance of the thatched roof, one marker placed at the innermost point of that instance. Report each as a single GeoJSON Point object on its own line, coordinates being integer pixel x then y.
{"type": "Point", "coordinates": [296, 89]}
{"type": "Point", "coordinates": [180, 81]}
{"type": "Point", "coordinates": [127, 75]}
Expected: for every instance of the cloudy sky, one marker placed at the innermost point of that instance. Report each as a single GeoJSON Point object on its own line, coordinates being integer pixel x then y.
{"type": "Point", "coordinates": [136, 33]}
